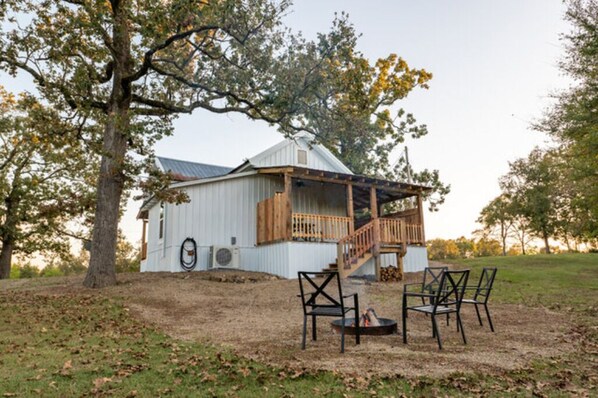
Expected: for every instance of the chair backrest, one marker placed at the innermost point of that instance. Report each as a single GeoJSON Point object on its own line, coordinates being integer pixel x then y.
{"type": "Point", "coordinates": [313, 294]}
{"type": "Point", "coordinates": [432, 276]}
{"type": "Point", "coordinates": [484, 288]}
{"type": "Point", "coordinates": [452, 288]}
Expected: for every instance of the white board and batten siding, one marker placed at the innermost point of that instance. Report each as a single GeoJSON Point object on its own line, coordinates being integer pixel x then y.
{"type": "Point", "coordinates": [221, 210]}
{"type": "Point", "coordinates": [286, 153]}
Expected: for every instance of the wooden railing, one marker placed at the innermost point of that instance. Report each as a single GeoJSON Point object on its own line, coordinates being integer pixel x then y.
{"type": "Point", "coordinates": [392, 231]}
{"type": "Point", "coordinates": [415, 234]}
{"type": "Point", "coordinates": [353, 246]}
{"type": "Point", "coordinates": [317, 227]}
{"type": "Point", "coordinates": [272, 219]}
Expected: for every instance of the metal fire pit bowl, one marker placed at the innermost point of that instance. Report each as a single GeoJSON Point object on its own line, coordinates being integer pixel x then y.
{"type": "Point", "coordinates": [387, 326]}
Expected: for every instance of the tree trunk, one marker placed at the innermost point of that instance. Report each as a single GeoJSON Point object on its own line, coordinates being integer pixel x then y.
{"type": "Point", "coordinates": [503, 235]}
{"type": "Point", "coordinates": [546, 243]}
{"type": "Point", "coordinates": [102, 270]}
{"type": "Point", "coordinates": [6, 258]}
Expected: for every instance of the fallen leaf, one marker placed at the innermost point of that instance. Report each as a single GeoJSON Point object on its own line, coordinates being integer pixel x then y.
{"type": "Point", "coordinates": [97, 383]}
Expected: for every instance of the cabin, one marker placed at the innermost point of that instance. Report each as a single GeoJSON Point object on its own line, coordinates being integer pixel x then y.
{"type": "Point", "coordinates": [293, 207]}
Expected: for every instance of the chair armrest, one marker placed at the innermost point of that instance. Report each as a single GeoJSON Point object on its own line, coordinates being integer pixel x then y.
{"type": "Point", "coordinates": [413, 294]}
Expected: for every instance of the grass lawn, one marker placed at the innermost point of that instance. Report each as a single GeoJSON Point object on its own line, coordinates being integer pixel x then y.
{"type": "Point", "coordinates": [89, 345]}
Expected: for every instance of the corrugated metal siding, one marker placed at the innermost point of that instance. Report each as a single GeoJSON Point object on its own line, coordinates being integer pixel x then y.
{"type": "Point", "coordinates": [309, 256]}
{"type": "Point", "coordinates": [224, 209]}
{"type": "Point", "coordinates": [286, 155]}
{"type": "Point", "coordinates": [192, 170]}
{"type": "Point", "coordinates": [314, 198]}
{"type": "Point", "coordinates": [416, 259]}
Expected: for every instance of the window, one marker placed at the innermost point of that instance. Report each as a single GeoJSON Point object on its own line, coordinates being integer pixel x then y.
{"type": "Point", "coordinates": [161, 233]}
{"type": "Point", "coordinates": [301, 156]}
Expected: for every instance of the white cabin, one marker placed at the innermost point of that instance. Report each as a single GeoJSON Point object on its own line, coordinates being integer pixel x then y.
{"type": "Point", "coordinates": [294, 207]}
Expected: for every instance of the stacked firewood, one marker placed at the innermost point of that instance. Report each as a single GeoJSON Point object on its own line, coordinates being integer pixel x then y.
{"type": "Point", "coordinates": [390, 274]}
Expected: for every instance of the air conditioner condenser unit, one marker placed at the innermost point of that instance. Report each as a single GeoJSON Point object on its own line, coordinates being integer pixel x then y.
{"type": "Point", "coordinates": [224, 257]}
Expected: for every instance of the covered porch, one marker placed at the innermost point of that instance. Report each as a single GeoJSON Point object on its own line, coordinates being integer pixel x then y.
{"type": "Point", "coordinates": [368, 216]}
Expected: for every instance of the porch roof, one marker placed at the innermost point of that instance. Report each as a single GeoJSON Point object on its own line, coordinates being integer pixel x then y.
{"type": "Point", "coordinates": [386, 190]}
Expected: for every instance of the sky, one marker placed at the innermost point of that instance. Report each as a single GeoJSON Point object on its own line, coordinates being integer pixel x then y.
{"type": "Point", "coordinates": [494, 65]}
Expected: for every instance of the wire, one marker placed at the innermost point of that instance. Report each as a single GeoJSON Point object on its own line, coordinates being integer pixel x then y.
{"type": "Point", "coordinates": [188, 265]}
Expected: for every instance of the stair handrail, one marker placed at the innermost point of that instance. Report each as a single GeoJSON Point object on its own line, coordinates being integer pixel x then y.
{"type": "Point", "coordinates": [354, 245]}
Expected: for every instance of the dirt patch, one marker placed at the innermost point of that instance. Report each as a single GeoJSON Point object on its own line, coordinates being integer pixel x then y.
{"type": "Point", "coordinates": [260, 317]}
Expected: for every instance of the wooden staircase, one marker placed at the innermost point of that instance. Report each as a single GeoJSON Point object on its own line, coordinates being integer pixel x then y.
{"type": "Point", "coordinates": [374, 238]}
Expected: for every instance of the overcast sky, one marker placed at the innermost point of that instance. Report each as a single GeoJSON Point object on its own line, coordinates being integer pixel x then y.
{"type": "Point", "coordinates": [494, 65]}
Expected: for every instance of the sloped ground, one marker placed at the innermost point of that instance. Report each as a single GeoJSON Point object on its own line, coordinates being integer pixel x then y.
{"type": "Point", "coordinates": [260, 317]}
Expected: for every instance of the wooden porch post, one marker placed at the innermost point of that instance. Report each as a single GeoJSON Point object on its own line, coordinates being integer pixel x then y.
{"type": "Point", "coordinates": [420, 207]}
{"type": "Point", "coordinates": [374, 211]}
{"type": "Point", "coordinates": [350, 208]}
{"type": "Point", "coordinates": [288, 210]}
{"type": "Point", "coordinates": [143, 241]}
{"type": "Point", "coordinates": [400, 265]}
{"type": "Point", "coordinates": [373, 202]}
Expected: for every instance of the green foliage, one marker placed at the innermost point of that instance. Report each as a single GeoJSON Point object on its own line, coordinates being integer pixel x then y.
{"type": "Point", "coordinates": [573, 120]}
{"type": "Point", "coordinates": [28, 271]}
{"type": "Point", "coordinates": [128, 258]}
{"type": "Point", "coordinates": [443, 249]}
{"type": "Point", "coordinates": [15, 272]}
{"type": "Point", "coordinates": [485, 247]}
{"type": "Point", "coordinates": [45, 179]}
{"type": "Point", "coordinates": [498, 217]}
{"type": "Point", "coordinates": [127, 68]}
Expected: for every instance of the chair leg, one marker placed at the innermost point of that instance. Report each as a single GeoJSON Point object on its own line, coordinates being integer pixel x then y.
{"type": "Point", "coordinates": [433, 326]}
{"type": "Point", "coordinates": [462, 331]}
{"type": "Point", "coordinates": [314, 336]}
{"type": "Point", "coordinates": [357, 333]}
{"type": "Point", "coordinates": [436, 332]}
{"type": "Point", "coordinates": [489, 319]}
{"type": "Point", "coordinates": [448, 317]}
{"type": "Point", "coordinates": [404, 323]}
{"type": "Point", "coordinates": [343, 335]}
{"type": "Point", "coordinates": [478, 312]}
{"type": "Point", "coordinates": [304, 332]}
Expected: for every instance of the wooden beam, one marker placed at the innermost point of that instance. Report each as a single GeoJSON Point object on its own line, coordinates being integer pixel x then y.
{"type": "Point", "coordinates": [143, 241]}
{"type": "Point", "coordinates": [288, 185]}
{"type": "Point", "coordinates": [350, 213]}
{"type": "Point", "coordinates": [400, 266]}
{"type": "Point", "coordinates": [373, 202]}
{"type": "Point", "coordinates": [420, 207]}
{"type": "Point", "coordinates": [378, 263]}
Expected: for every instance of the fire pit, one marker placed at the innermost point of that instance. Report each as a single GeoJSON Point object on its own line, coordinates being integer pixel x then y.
{"type": "Point", "coordinates": [387, 326]}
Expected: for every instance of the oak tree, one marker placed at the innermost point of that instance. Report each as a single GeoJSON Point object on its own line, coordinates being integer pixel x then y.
{"type": "Point", "coordinates": [45, 179]}
{"type": "Point", "coordinates": [133, 65]}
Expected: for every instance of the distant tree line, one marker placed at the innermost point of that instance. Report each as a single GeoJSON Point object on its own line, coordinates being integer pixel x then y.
{"type": "Point", "coordinates": [552, 194]}
{"type": "Point", "coordinates": [483, 246]}
{"type": "Point", "coordinates": [128, 259]}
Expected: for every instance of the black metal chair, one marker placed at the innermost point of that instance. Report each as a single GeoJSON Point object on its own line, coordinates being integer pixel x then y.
{"type": "Point", "coordinates": [321, 303]}
{"type": "Point", "coordinates": [430, 282]}
{"type": "Point", "coordinates": [445, 300]}
{"type": "Point", "coordinates": [482, 294]}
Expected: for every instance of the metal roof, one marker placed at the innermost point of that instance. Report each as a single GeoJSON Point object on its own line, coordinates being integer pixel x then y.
{"type": "Point", "coordinates": [183, 170]}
